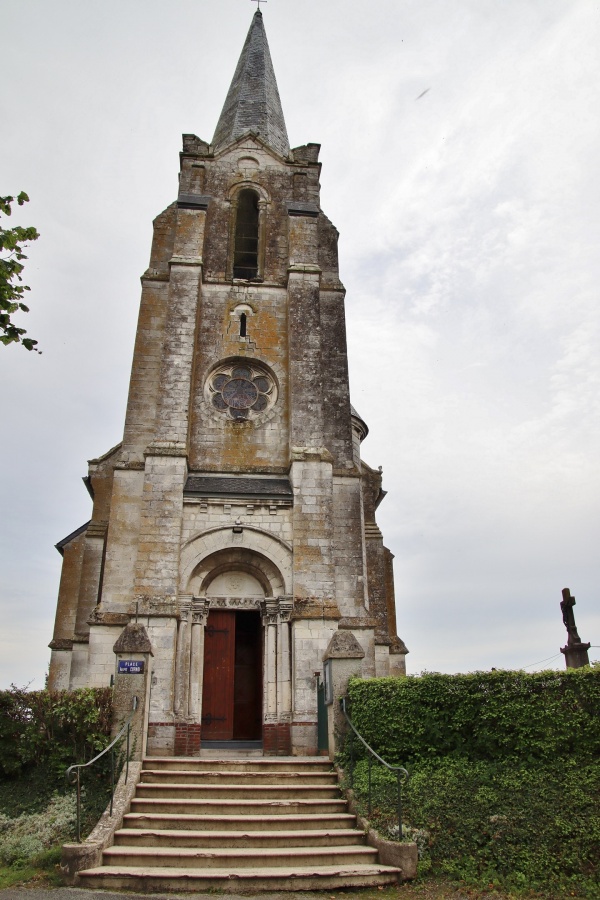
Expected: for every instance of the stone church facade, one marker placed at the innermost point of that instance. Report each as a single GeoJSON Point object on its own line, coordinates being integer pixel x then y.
{"type": "Point", "coordinates": [236, 518]}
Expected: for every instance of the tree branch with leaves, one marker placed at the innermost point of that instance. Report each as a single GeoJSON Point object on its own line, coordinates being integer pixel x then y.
{"type": "Point", "coordinates": [12, 243]}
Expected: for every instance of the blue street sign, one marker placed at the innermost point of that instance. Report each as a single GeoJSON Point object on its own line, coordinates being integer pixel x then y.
{"type": "Point", "coordinates": [131, 667]}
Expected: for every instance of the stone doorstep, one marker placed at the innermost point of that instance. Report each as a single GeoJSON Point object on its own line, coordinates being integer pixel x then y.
{"type": "Point", "coordinates": [206, 807]}
{"type": "Point", "coordinates": [229, 754]}
{"type": "Point", "coordinates": [295, 878]}
{"type": "Point", "coordinates": [237, 791]}
{"type": "Point", "coordinates": [231, 844]}
{"type": "Point", "coordinates": [153, 837]}
{"type": "Point", "coordinates": [333, 821]}
{"type": "Point", "coordinates": [182, 776]}
{"type": "Point", "coordinates": [241, 857]}
{"type": "Point", "coordinates": [235, 761]}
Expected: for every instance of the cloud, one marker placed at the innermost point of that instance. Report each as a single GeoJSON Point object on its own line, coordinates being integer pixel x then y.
{"type": "Point", "coordinates": [468, 244]}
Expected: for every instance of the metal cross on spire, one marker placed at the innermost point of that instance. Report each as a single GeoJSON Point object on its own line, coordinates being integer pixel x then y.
{"type": "Point", "coordinates": [259, 2]}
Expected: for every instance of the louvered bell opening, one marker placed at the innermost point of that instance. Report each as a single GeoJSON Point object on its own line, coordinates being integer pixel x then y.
{"type": "Point", "coordinates": [245, 257]}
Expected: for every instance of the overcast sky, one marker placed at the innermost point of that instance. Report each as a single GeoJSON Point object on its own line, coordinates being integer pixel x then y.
{"type": "Point", "coordinates": [461, 154]}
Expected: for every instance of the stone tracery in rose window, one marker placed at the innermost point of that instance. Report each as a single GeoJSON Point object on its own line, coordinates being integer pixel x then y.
{"type": "Point", "coordinates": [241, 391]}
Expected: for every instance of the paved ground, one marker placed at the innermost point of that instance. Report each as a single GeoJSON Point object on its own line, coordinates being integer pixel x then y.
{"type": "Point", "coordinates": [34, 893]}
{"type": "Point", "coordinates": [418, 891]}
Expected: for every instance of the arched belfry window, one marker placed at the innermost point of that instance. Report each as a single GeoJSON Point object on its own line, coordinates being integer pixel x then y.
{"type": "Point", "coordinates": [245, 250]}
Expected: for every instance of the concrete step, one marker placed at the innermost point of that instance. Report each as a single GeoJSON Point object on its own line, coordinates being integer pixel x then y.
{"type": "Point", "coordinates": [237, 807]}
{"type": "Point", "coordinates": [245, 825]}
{"type": "Point", "coordinates": [238, 857]}
{"type": "Point", "coordinates": [168, 821]}
{"type": "Point", "coordinates": [258, 764]}
{"type": "Point", "coordinates": [284, 878]}
{"type": "Point", "coordinates": [164, 837]}
{"type": "Point", "coordinates": [228, 791]}
{"type": "Point", "coordinates": [272, 777]}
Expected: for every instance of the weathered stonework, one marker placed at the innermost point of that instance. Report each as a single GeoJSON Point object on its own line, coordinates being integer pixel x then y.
{"type": "Point", "coordinates": [238, 488]}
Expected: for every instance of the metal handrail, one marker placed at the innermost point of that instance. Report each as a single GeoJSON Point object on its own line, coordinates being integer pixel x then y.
{"type": "Point", "coordinates": [402, 775]}
{"type": "Point", "coordinates": [73, 773]}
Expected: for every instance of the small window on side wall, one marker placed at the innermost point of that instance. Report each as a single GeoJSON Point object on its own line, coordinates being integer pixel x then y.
{"type": "Point", "coordinates": [245, 253]}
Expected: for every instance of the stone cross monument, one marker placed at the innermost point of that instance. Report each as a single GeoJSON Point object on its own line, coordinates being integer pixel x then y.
{"type": "Point", "coordinates": [576, 652]}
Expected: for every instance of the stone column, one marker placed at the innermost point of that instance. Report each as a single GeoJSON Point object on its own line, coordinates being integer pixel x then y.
{"type": "Point", "coordinates": [284, 679]}
{"type": "Point", "coordinates": [344, 655]}
{"type": "Point", "coordinates": [182, 659]}
{"type": "Point", "coordinates": [199, 615]}
{"type": "Point", "coordinates": [270, 675]}
{"type": "Point", "coordinates": [133, 651]}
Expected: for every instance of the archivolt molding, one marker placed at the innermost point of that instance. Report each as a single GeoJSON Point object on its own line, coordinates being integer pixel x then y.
{"type": "Point", "coordinates": [247, 184]}
{"type": "Point", "coordinates": [252, 541]}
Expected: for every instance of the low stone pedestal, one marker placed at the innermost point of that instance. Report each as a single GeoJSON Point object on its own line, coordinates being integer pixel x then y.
{"type": "Point", "coordinates": [576, 655]}
{"type": "Point", "coordinates": [403, 855]}
{"type": "Point", "coordinates": [342, 661]}
{"type": "Point", "coordinates": [132, 679]}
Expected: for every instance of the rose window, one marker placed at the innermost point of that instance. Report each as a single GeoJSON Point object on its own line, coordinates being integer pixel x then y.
{"type": "Point", "coordinates": [241, 391]}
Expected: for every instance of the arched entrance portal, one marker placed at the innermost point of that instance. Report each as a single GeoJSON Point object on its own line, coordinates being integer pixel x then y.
{"type": "Point", "coordinates": [233, 675]}
{"type": "Point", "coordinates": [233, 662]}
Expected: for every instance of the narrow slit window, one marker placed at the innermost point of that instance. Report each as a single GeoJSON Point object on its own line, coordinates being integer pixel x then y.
{"type": "Point", "coordinates": [245, 254]}
{"type": "Point", "coordinates": [243, 325]}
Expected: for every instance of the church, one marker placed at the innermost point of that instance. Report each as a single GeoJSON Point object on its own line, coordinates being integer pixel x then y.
{"type": "Point", "coordinates": [236, 519]}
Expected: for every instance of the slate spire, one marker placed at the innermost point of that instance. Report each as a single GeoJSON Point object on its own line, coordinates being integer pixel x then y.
{"type": "Point", "coordinates": [253, 102]}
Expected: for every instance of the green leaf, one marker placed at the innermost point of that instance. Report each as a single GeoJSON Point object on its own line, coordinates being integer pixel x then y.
{"type": "Point", "coordinates": [12, 242]}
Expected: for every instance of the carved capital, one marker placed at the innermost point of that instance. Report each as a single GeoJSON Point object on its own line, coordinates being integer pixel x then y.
{"type": "Point", "coordinates": [270, 611]}
{"type": "Point", "coordinates": [200, 608]}
{"type": "Point", "coordinates": [286, 607]}
{"type": "Point", "coordinates": [184, 605]}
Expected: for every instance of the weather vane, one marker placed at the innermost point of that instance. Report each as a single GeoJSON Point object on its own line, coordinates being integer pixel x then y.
{"type": "Point", "coordinates": [259, 2]}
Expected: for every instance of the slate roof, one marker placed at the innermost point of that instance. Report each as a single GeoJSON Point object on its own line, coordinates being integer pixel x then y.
{"type": "Point", "coordinates": [358, 416]}
{"type": "Point", "coordinates": [253, 102]}
{"type": "Point", "coordinates": [238, 486]}
{"type": "Point", "coordinates": [70, 537]}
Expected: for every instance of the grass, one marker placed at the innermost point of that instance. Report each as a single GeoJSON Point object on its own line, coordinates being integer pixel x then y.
{"type": "Point", "coordinates": [32, 794]}
{"type": "Point", "coordinates": [40, 871]}
{"type": "Point", "coordinates": [434, 889]}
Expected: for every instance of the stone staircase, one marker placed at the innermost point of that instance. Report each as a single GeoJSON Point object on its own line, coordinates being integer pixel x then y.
{"type": "Point", "coordinates": [254, 824]}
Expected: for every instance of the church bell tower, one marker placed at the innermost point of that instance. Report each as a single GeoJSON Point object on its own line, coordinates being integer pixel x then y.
{"type": "Point", "coordinates": [236, 519]}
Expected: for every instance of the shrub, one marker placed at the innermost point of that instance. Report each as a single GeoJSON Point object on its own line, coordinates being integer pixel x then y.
{"type": "Point", "coordinates": [482, 716]}
{"type": "Point", "coordinates": [504, 783]}
{"type": "Point", "coordinates": [54, 729]}
{"type": "Point", "coordinates": [31, 835]}
{"type": "Point", "coordinates": [41, 734]}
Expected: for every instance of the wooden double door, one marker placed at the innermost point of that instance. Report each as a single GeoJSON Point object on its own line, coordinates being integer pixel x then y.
{"type": "Point", "coordinates": [232, 683]}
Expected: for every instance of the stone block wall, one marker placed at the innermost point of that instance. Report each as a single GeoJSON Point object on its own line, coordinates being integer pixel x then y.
{"type": "Point", "coordinates": [122, 542]}
{"type": "Point", "coordinates": [310, 638]}
{"type": "Point", "coordinates": [140, 418]}
{"type": "Point", "coordinates": [348, 546]}
{"type": "Point", "coordinates": [162, 632]}
{"type": "Point", "coordinates": [218, 443]}
{"type": "Point", "coordinates": [157, 570]}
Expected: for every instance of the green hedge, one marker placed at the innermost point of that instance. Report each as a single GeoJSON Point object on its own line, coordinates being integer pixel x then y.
{"type": "Point", "coordinates": [52, 729]}
{"type": "Point", "coordinates": [482, 716]}
{"type": "Point", "coordinates": [516, 826]}
{"type": "Point", "coordinates": [504, 781]}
